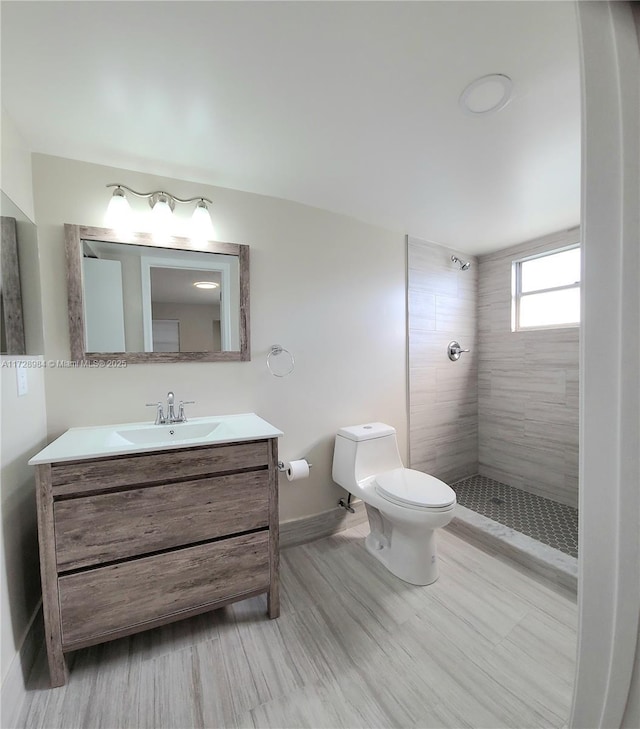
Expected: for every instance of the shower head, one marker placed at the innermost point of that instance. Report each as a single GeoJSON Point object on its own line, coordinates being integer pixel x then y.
{"type": "Point", "coordinates": [464, 265]}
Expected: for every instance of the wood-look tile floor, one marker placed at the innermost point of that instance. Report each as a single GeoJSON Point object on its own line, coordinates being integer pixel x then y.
{"type": "Point", "coordinates": [487, 645]}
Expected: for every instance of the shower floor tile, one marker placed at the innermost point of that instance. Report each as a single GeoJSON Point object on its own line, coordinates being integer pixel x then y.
{"type": "Point", "coordinates": [542, 519]}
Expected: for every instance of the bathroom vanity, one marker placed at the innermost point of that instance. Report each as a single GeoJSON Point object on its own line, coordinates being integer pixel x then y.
{"type": "Point", "coordinates": [141, 525]}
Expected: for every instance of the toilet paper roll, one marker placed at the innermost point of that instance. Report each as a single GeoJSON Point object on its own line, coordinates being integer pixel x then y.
{"type": "Point", "coordinates": [297, 470]}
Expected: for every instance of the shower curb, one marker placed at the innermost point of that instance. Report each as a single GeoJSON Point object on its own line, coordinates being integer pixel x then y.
{"type": "Point", "coordinates": [554, 566]}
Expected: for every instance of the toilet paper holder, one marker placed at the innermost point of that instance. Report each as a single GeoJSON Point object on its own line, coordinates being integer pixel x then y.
{"type": "Point", "coordinates": [282, 466]}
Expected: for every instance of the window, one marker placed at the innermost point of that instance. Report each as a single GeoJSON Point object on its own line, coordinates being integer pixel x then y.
{"type": "Point", "coordinates": [546, 290]}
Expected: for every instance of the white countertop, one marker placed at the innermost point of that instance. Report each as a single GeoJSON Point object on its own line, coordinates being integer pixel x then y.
{"type": "Point", "coordinates": [111, 440]}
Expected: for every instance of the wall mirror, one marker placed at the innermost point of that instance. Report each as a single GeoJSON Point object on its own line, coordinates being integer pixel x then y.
{"type": "Point", "coordinates": [12, 326]}
{"type": "Point", "coordinates": [135, 299]}
{"type": "Point", "coordinates": [20, 304]}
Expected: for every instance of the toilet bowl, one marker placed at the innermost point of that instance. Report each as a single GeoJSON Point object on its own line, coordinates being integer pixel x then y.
{"type": "Point", "coordinates": [404, 506]}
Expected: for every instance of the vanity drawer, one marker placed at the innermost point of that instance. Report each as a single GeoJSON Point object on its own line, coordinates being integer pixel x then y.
{"type": "Point", "coordinates": [126, 597]}
{"type": "Point", "coordinates": [106, 527]}
{"type": "Point", "coordinates": [80, 477]}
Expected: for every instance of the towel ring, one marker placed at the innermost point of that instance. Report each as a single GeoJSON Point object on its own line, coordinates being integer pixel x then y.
{"type": "Point", "coordinates": [275, 352]}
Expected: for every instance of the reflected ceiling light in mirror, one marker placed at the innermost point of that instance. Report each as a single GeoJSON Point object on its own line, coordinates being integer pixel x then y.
{"type": "Point", "coordinates": [206, 285]}
{"type": "Point", "coordinates": [162, 205]}
{"type": "Point", "coordinates": [486, 94]}
{"type": "Point", "coordinates": [118, 215]}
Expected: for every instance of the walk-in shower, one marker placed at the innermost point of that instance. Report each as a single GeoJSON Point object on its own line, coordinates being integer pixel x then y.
{"type": "Point", "coordinates": [500, 423]}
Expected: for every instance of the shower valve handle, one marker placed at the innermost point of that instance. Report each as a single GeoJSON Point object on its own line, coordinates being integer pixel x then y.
{"type": "Point", "coordinates": [454, 350]}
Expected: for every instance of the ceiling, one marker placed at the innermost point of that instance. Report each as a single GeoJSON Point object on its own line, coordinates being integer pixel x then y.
{"type": "Point", "coordinates": [347, 106]}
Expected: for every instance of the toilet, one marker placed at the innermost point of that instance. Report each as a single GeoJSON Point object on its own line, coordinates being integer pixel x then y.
{"type": "Point", "coordinates": [404, 506]}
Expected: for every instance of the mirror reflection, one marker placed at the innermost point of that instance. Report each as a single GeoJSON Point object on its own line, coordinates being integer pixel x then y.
{"type": "Point", "coordinates": [185, 310]}
{"type": "Point", "coordinates": [146, 299]}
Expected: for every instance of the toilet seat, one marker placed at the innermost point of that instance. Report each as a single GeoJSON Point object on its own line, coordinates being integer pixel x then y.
{"type": "Point", "coordinates": [407, 487]}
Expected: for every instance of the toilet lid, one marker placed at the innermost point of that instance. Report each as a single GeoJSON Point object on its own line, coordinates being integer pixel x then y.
{"type": "Point", "coordinates": [406, 486]}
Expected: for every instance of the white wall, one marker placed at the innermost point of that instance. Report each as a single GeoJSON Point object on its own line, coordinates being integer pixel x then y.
{"type": "Point", "coordinates": [631, 717]}
{"type": "Point", "coordinates": [15, 170]}
{"type": "Point", "coordinates": [328, 288]}
{"type": "Point", "coordinates": [609, 565]}
{"type": "Point", "coordinates": [23, 435]}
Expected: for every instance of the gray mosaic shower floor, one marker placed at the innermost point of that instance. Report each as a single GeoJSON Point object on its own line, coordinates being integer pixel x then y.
{"type": "Point", "coordinates": [542, 519]}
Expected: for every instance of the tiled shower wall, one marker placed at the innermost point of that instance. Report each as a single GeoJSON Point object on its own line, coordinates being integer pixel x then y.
{"type": "Point", "coordinates": [443, 395]}
{"type": "Point", "coordinates": [527, 387]}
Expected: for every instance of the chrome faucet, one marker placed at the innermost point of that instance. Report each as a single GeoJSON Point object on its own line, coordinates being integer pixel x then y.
{"type": "Point", "coordinates": [170, 417]}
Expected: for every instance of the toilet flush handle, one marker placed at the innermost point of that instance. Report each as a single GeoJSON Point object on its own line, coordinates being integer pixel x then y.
{"type": "Point", "coordinates": [454, 350]}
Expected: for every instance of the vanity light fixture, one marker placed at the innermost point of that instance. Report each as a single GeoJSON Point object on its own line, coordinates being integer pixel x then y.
{"type": "Point", "coordinates": [201, 225]}
{"type": "Point", "coordinates": [206, 285]}
{"type": "Point", "coordinates": [161, 215]}
{"type": "Point", "coordinates": [118, 215]}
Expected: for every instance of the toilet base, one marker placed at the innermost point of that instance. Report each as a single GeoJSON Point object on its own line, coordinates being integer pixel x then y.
{"type": "Point", "coordinates": [411, 557]}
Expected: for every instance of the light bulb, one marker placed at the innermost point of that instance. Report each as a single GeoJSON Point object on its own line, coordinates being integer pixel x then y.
{"type": "Point", "coordinates": [201, 224]}
{"type": "Point", "coordinates": [118, 215]}
{"type": "Point", "coordinates": [161, 219]}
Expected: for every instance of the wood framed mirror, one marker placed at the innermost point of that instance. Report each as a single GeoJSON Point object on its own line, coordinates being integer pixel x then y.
{"type": "Point", "coordinates": [135, 299]}
{"type": "Point", "coordinates": [12, 340]}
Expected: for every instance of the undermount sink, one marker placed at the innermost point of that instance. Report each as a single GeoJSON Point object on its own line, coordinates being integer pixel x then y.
{"type": "Point", "coordinates": [167, 433]}
{"type": "Point", "coordinates": [108, 440]}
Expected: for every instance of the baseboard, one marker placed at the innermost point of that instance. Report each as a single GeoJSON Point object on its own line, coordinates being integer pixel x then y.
{"type": "Point", "coordinates": [310, 528]}
{"type": "Point", "coordinates": [14, 689]}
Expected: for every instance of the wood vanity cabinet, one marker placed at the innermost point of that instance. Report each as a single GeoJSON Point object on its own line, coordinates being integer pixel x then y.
{"type": "Point", "coordinates": [132, 542]}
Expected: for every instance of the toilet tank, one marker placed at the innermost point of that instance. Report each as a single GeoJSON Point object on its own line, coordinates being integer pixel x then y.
{"type": "Point", "coordinates": [361, 451]}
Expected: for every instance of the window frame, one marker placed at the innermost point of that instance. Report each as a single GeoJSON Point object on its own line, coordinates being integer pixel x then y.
{"type": "Point", "coordinates": [517, 294]}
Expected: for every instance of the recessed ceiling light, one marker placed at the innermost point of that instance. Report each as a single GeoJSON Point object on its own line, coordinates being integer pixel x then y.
{"type": "Point", "coordinates": [206, 285]}
{"type": "Point", "coordinates": [486, 94]}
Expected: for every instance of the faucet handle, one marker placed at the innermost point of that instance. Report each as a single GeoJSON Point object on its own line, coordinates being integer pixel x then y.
{"type": "Point", "coordinates": [160, 419]}
{"type": "Point", "coordinates": [182, 418]}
